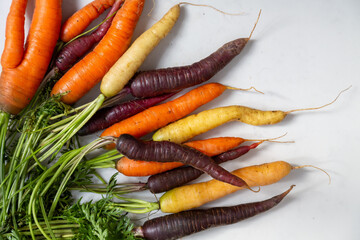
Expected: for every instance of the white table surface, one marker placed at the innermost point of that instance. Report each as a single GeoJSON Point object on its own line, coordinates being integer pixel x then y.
{"type": "Point", "coordinates": [302, 54]}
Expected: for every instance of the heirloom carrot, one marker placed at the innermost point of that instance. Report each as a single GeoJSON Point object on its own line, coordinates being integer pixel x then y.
{"type": "Point", "coordinates": [191, 126]}
{"type": "Point", "coordinates": [195, 195]}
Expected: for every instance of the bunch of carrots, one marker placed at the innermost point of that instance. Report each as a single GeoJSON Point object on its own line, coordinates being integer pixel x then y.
{"type": "Point", "coordinates": [56, 66]}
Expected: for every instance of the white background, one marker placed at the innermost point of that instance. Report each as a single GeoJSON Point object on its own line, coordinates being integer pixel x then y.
{"type": "Point", "coordinates": [302, 54]}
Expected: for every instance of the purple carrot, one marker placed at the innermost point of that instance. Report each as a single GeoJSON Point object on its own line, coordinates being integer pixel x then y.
{"type": "Point", "coordinates": [79, 47]}
{"type": "Point", "coordinates": [160, 81]}
{"type": "Point", "coordinates": [164, 151]}
{"type": "Point", "coordinates": [168, 180]}
{"type": "Point", "coordinates": [106, 117]}
{"type": "Point", "coordinates": [181, 224]}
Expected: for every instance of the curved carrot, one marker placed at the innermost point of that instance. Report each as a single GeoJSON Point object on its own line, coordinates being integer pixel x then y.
{"type": "Point", "coordinates": [81, 19]}
{"type": "Point", "coordinates": [210, 147]}
{"type": "Point", "coordinates": [89, 71]}
{"type": "Point", "coordinates": [166, 151]}
{"type": "Point", "coordinates": [24, 69]}
{"type": "Point", "coordinates": [160, 115]}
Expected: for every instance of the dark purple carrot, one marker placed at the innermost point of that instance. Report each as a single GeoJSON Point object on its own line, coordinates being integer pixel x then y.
{"type": "Point", "coordinates": [168, 180]}
{"type": "Point", "coordinates": [181, 224]}
{"type": "Point", "coordinates": [164, 151]}
{"type": "Point", "coordinates": [79, 47]}
{"type": "Point", "coordinates": [106, 117]}
{"type": "Point", "coordinates": [160, 81]}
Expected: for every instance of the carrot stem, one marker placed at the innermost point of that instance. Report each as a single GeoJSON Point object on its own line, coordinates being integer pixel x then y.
{"type": "Point", "coordinates": [69, 130]}
{"type": "Point", "coordinates": [4, 121]}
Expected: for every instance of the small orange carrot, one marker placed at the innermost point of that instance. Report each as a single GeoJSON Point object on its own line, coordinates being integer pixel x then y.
{"type": "Point", "coordinates": [160, 115]}
{"type": "Point", "coordinates": [210, 147]}
{"type": "Point", "coordinates": [88, 72]}
{"type": "Point", "coordinates": [81, 19]}
{"type": "Point", "coordinates": [24, 68]}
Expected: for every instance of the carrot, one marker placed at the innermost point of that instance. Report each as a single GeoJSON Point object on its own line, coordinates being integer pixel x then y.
{"type": "Point", "coordinates": [195, 195]}
{"type": "Point", "coordinates": [24, 68]}
{"type": "Point", "coordinates": [162, 114]}
{"type": "Point", "coordinates": [178, 225]}
{"type": "Point", "coordinates": [76, 49]}
{"type": "Point", "coordinates": [88, 72]}
{"type": "Point", "coordinates": [81, 19]}
{"type": "Point", "coordinates": [122, 71]}
{"type": "Point", "coordinates": [210, 147]}
{"type": "Point", "coordinates": [191, 126]}
{"type": "Point", "coordinates": [138, 168]}
{"type": "Point", "coordinates": [165, 151]}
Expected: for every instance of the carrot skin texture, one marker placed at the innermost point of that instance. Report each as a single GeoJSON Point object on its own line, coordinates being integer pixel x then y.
{"type": "Point", "coordinates": [172, 152]}
{"type": "Point", "coordinates": [78, 48]}
{"type": "Point", "coordinates": [195, 195]}
{"type": "Point", "coordinates": [181, 224]}
{"type": "Point", "coordinates": [124, 69]}
{"type": "Point", "coordinates": [160, 81]}
{"type": "Point", "coordinates": [191, 126]}
{"type": "Point", "coordinates": [86, 73]}
{"type": "Point", "coordinates": [166, 181]}
{"type": "Point", "coordinates": [158, 116]}
{"type": "Point", "coordinates": [108, 116]}
{"type": "Point", "coordinates": [210, 147]}
{"type": "Point", "coordinates": [24, 69]}
{"type": "Point", "coordinates": [81, 19]}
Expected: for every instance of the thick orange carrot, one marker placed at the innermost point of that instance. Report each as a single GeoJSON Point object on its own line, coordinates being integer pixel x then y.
{"type": "Point", "coordinates": [81, 19]}
{"type": "Point", "coordinates": [160, 115]}
{"type": "Point", "coordinates": [210, 147]}
{"type": "Point", "coordinates": [24, 68]}
{"type": "Point", "coordinates": [88, 72]}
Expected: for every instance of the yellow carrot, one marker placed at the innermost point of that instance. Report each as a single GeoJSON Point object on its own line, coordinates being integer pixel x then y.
{"type": "Point", "coordinates": [195, 195]}
{"type": "Point", "coordinates": [187, 128]}
{"type": "Point", "coordinates": [122, 71]}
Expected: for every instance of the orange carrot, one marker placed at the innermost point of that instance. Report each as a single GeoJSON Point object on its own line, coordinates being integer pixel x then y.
{"type": "Point", "coordinates": [23, 69]}
{"type": "Point", "coordinates": [81, 19]}
{"type": "Point", "coordinates": [160, 115]}
{"type": "Point", "coordinates": [210, 147]}
{"type": "Point", "coordinates": [138, 168]}
{"type": "Point", "coordinates": [88, 72]}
